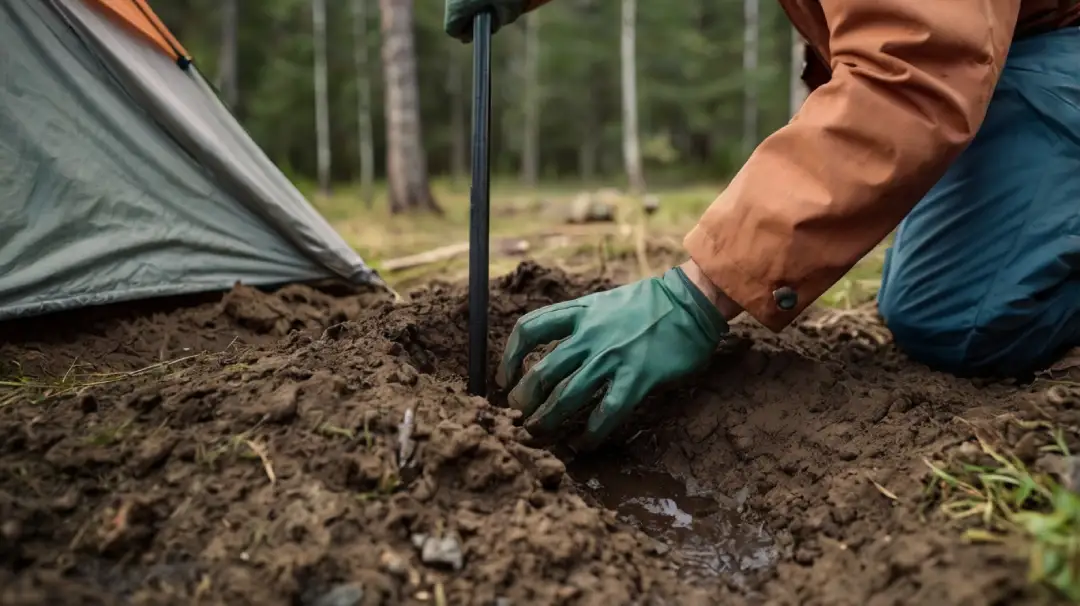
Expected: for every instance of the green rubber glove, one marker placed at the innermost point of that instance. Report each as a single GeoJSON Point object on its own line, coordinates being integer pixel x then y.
{"type": "Point", "coordinates": [460, 14]}
{"type": "Point", "coordinates": [631, 339]}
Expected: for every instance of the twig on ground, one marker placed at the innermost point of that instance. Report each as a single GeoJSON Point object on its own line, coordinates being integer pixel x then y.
{"type": "Point", "coordinates": [260, 451]}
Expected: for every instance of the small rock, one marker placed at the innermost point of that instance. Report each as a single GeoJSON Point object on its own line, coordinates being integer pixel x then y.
{"type": "Point", "coordinates": [550, 471]}
{"type": "Point", "coordinates": [445, 552]}
{"type": "Point", "coordinates": [501, 601]}
{"type": "Point", "coordinates": [348, 594]}
{"type": "Point", "coordinates": [651, 204]}
{"type": "Point", "coordinates": [11, 530]}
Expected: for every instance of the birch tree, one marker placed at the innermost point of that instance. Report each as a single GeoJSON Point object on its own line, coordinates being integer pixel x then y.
{"type": "Point", "coordinates": [361, 64]}
{"type": "Point", "coordinates": [631, 144]}
{"type": "Point", "coordinates": [322, 100]}
{"type": "Point", "coordinates": [227, 76]}
{"type": "Point", "coordinates": [530, 152]}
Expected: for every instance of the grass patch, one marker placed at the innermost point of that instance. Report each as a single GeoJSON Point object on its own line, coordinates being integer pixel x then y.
{"type": "Point", "coordinates": [516, 213]}
{"type": "Point", "coordinates": [21, 387]}
{"type": "Point", "coordinates": [1005, 501]}
{"type": "Point", "coordinates": [532, 215]}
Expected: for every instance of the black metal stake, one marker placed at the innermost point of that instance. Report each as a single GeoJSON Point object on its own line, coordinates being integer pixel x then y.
{"type": "Point", "coordinates": [480, 206]}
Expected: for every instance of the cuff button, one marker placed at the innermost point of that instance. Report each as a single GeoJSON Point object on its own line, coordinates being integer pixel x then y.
{"type": "Point", "coordinates": [786, 298]}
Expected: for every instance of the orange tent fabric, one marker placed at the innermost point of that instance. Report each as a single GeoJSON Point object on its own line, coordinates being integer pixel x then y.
{"type": "Point", "coordinates": [140, 18]}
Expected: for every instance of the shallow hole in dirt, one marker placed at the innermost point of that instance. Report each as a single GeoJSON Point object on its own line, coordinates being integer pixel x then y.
{"type": "Point", "coordinates": [710, 535]}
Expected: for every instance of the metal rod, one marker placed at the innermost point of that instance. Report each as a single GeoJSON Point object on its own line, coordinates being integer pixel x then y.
{"type": "Point", "coordinates": [480, 206]}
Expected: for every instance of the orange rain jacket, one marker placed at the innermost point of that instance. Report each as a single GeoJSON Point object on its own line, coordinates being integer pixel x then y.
{"type": "Point", "coordinates": [905, 89]}
{"type": "Point", "coordinates": [900, 87]}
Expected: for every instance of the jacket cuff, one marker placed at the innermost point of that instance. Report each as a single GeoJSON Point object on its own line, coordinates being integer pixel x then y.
{"type": "Point", "coordinates": [773, 305]}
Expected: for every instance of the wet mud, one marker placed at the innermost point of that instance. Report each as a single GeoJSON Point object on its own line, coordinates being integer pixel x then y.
{"type": "Point", "coordinates": [709, 535]}
{"type": "Point", "coordinates": [319, 448]}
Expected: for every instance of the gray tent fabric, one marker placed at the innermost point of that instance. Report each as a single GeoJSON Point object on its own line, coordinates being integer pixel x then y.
{"type": "Point", "coordinates": [123, 177]}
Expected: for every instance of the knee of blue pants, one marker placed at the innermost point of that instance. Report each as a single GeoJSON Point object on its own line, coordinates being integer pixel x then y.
{"type": "Point", "coordinates": [1009, 333]}
{"type": "Point", "coordinates": [1001, 334]}
{"type": "Point", "coordinates": [984, 273]}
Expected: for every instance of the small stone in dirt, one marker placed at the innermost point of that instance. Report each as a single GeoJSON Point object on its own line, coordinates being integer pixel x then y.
{"type": "Point", "coordinates": [348, 594]}
{"type": "Point", "coordinates": [11, 530]}
{"type": "Point", "coordinates": [550, 471]}
{"type": "Point", "coordinates": [444, 552]}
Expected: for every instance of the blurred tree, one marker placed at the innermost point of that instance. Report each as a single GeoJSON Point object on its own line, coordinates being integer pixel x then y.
{"type": "Point", "coordinates": [226, 80]}
{"type": "Point", "coordinates": [405, 157]}
{"type": "Point", "coordinates": [363, 101]}
{"type": "Point", "coordinates": [322, 100]}
{"type": "Point", "coordinates": [557, 108]}
{"type": "Point", "coordinates": [628, 62]}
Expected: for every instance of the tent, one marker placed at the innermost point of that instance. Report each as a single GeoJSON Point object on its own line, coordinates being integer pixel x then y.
{"type": "Point", "coordinates": [123, 176]}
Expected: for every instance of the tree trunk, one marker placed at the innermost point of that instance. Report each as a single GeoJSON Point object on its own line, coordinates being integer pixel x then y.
{"type": "Point", "coordinates": [322, 101]}
{"type": "Point", "coordinates": [227, 81]}
{"type": "Point", "coordinates": [631, 145]}
{"type": "Point", "coordinates": [459, 134]}
{"type": "Point", "coordinates": [530, 151]}
{"type": "Point", "coordinates": [406, 166]}
{"type": "Point", "coordinates": [796, 87]}
{"type": "Point", "coordinates": [363, 98]}
{"type": "Point", "coordinates": [750, 68]}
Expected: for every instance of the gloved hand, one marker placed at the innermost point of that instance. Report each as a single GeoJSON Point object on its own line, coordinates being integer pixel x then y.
{"type": "Point", "coordinates": [636, 337]}
{"type": "Point", "coordinates": [460, 13]}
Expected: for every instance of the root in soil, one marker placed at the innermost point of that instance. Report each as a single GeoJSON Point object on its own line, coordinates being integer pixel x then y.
{"type": "Point", "coordinates": [306, 447]}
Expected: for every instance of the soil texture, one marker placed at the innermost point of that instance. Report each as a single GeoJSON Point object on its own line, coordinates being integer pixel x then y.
{"type": "Point", "coordinates": [318, 448]}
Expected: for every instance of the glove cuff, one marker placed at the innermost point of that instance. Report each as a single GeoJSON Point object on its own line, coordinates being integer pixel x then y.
{"type": "Point", "coordinates": [710, 318]}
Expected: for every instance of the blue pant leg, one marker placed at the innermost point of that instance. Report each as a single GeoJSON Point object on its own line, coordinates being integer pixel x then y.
{"type": "Point", "coordinates": [984, 273]}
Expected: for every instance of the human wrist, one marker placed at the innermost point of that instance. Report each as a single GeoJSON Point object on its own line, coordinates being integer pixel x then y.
{"type": "Point", "coordinates": [727, 307]}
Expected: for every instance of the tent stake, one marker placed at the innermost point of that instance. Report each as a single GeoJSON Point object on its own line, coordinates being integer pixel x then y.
{"type": "Point", "coordinates": [480, 206]}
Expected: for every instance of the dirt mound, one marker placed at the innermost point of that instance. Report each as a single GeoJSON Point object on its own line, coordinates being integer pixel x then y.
{"type": "Point", "coordinates": [131, 336]}
{"type": "Point", "coordinates": [344, 464]}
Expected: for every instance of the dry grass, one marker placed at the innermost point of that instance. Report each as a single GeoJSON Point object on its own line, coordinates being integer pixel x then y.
{"type": "Point", "coordinates": [1007, 502]}
{"type": "Point", "coordinates": [537, 217]}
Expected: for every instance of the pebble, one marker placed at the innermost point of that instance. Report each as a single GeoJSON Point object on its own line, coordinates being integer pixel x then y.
{"type": "Point", "coordinates": [348, 594]}
{"type": "Point", "coordinates": [444, 552]}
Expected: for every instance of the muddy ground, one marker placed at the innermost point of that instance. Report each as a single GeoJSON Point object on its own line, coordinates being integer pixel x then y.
{"type": "Point", "coordinates": [313, 448]}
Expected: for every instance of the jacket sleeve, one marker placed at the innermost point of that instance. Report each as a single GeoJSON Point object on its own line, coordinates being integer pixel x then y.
{"type": "Point", "coordinates": [911, 81]}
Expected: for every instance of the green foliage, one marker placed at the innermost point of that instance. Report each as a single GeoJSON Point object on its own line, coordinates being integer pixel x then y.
{"type": "Point", "coordinates": [690, 83]}
{"type": "Point", "coordinates": [1011, 503]}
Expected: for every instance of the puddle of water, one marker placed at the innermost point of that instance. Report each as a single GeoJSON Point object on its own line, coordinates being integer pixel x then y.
{"type": "Point", "coordinates": [710, 531]}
